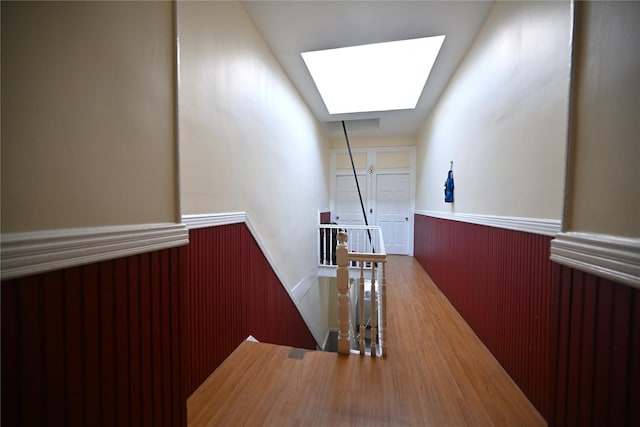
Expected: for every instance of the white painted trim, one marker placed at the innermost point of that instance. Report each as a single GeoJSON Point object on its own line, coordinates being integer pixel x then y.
{"type": "Point", "coordinates": [547, 227]}
{"type": "Point", "coordinates": [265, 252]}
{"type": "Point", "coordinates": [213, 219]}
{"type": "Point", "coordinates": [612, 257]}
{"type": "Point", "coordinates": [300, 290]}
{"type": "Point", "coordinates": [41, 251]}
{"type": "Point", "coordinates": [326, 340]}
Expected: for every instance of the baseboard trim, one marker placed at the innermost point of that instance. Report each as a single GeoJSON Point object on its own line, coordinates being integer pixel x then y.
{"type": "Point", "coordinates": [36, 252]}
{"type": "Point", "coordinates": [547, 227]}
{"type": "Point", "coordinates": [612, 257]}
{"type": "Point", "coordinates": [300, 290]}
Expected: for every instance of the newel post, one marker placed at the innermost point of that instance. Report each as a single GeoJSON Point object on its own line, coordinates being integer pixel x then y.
{"type": "Point", "coordinates": [342, 259]}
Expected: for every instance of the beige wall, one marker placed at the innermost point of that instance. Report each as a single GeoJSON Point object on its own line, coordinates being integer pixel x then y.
{"type": "Point", "coordinates": [332, 285]}
{"type": "Point", "coordinates": [249, 143]}
{"type": "Point", "coordinates": [502, 119]}
{"type": "Point", "coordinates": [363, 142]}
{"type": "Point", "coordinates": [383, 159]}
{"type": "Point", "coordinates": [87, 114]}
{"type": "Point", "coordinates": [343, 161]}
{"type": "Point", "coordinates": [605, 187]}
{"type": "Point", "coordinates": [393, 160]}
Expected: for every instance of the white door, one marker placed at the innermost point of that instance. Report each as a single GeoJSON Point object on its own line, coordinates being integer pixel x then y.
{"type": "Point", "coordinates": [393, 203]}
{"type": "Point", "coordinates": [348, 208]}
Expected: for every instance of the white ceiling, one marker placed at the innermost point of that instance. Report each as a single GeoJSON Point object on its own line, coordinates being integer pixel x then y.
{"type": "Point", "coordinates": [292, 27]}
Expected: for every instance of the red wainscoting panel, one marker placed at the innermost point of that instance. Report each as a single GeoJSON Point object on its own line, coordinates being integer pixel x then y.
{"type": "Point", "coordinates": [95, 345]}
{"type": "Point", "coordinates": [500, 281]}
{"type": "Point", "coordinates": [596, 349]}
{"type": "Point", "coordinates": [232, 292]}
{"type": "Point", "coordinates": [125, 342]}
{"type": "Point", "coordinates": [325, 217]}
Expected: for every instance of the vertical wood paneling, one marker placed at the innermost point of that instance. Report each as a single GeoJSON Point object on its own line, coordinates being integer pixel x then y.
{"type": "Point", "coordinates": [500, 281]}
{"type": "Point", "coordinates": [107, 345]}
{"type": "Point", "coordinates": [178, 411]}
{"type": "Point", "coordinates": [77, 345]}
{"type": "Point", "coordinates": [562, 296]}
{"type": "Point", "coordinates": [30, 385]}
{"type": "Point", "coordinates": [587, 354]}
{"type": "Point", "coordinates": [145, 340]}
{"type": "Point", "coordinates": [124, 342]}
{"type": "Point", "coordinates": [10, 393]}
{"type": "Point", "coordinates": [78, 400]}
{"type": "Point", "coordinates": [165, 344]}
{"type": "Point", "coordinates": [233, 292]}
{"type": "Point", "coordinates": [135, 341]}
{"type": "Point", "coordinates": [574, 345]}
{"type": "Point", "coordinates": [596, 351]}
{"type": "Point", "coordinates": [155, 372]}
{"type": "Point", "coordinates": [121, 342]}
{"type": "Point", "coordinates": [620, 349]}
{"type": "Point", "coordinates": [90, 341]}
{"type": "Point", "coordinates": [53, 348]}
{"type": "Point", "coordinates": [633, 402]}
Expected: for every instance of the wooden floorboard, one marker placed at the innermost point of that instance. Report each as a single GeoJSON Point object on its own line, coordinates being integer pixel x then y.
{"type": "Point", "coordinates": [437, 373]}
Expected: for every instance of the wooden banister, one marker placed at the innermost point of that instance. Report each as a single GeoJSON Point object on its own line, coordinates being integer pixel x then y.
{"type": "Point", "coordinates": [377, 300]}
{"type": "Point", "coordinates": [344, 321]}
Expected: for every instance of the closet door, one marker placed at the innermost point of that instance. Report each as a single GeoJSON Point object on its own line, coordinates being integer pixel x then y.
{"type": "Point", "coordinates": [349, 210]}
{"type": "Point", "coordinates": [393, 202]}
{"type": "Point", "coordinates": [347, 203]}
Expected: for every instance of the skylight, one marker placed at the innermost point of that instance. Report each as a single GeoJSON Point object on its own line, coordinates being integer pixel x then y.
{"type": "Point", "coordinates": [374, 77]}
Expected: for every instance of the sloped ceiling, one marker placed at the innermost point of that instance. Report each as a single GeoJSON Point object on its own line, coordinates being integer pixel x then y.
{"type": "Point", "coordinates": [292, 27]}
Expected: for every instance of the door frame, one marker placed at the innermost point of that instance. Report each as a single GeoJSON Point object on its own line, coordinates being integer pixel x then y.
{"type": "Point", "coordinates": [370, 203]}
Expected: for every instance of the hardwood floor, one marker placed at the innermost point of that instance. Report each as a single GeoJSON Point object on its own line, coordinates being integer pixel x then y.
{"type": "Point", "coordinates": [437, 373]}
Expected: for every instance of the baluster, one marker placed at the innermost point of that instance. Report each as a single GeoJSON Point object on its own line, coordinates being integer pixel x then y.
{"type": "Point", "coordinates": [362, 301]}
{"type": "Point", "coordinates": [329, 260]}
{"type": "Point", "coordinates": [342, 276]}
{"type": "Point", "coordinates": [328, 242]}
{"type": "Point", "coordinates": [375, 243]}
{"type": "Point", "coordinates": [383, 311]}
{"type": "Point", "coordinates": [365, 241]}
{"type": "Point", "coordinates": [334, 250]}
{"type": "Point", "coordinates": [323, 249]}
{"type": "Point", "coordinates": [356, 243]}
{"type": "Point", "coordinates": [374, 311]}
{"type": "Point", "coordinates": [349, 239]}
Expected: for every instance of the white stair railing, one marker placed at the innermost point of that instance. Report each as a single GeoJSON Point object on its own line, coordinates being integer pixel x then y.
{"type": "Point", "coordinates": [377, 308]}
{"type": "Point", "coordinates": [357, 235]}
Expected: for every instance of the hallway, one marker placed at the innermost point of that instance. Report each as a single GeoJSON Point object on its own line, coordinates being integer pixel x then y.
{"type": "Point", "coordinates": [437, 373]}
